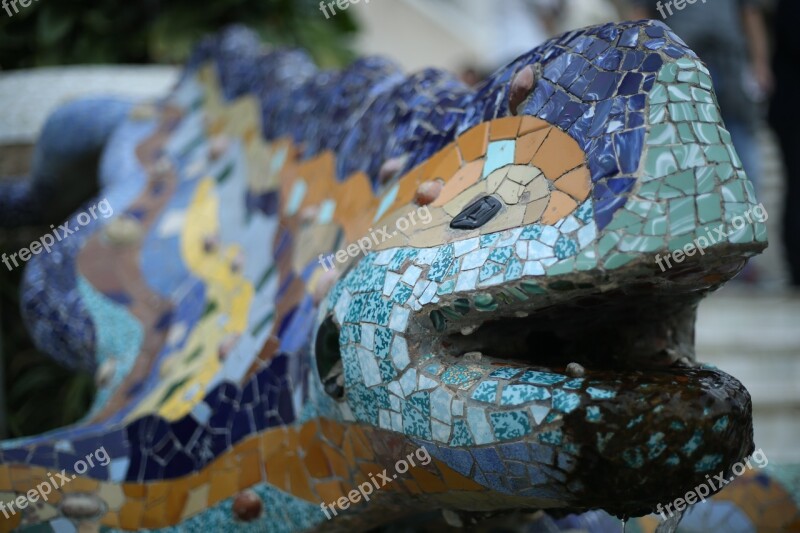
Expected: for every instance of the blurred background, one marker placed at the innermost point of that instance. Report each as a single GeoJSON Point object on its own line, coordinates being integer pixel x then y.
{"type": "Point", "coordinates": [55, 51]}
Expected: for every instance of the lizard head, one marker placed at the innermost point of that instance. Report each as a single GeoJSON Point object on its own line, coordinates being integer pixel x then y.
{"type": "Point", "coordinates": [536, 333]}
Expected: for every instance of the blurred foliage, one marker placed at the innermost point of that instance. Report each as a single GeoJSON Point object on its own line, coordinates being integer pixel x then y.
{"type": "Point", "coordinates": [40, 395]}
{"type": "Point", "coordinates": [59, 32]}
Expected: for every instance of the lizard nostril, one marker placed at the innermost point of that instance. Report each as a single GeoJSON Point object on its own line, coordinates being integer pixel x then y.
{"type": "Point", "coordinates": [477, 213]}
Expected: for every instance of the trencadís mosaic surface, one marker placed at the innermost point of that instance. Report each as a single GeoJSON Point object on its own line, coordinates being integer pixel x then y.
{"type": "Point", "coordinates": [504, 311]}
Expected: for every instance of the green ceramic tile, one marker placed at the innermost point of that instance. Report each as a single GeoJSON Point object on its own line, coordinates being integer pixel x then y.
{"type": "Point", "coordinates": [616, 260]}
{"type": "Point", "coordinates": [689, 156]}
{"type": "Point", "coordinates": [734, 156]}
{"type": "Point", "coordinates": [668, 192]}
{"type": "Point", "coordinates": [660, 162]}
{"type": "Point", "coordinates": [684, 182]}
{"type": "Point", "coordinates": [689, 76]}
{"type": "Point", "coordinates": [562, 267]}
{"type": "Point", "coordinates": [658, 95]}
{"type": "Point", "coordinates": [760, 232]}
{"type": "Point", "coordinates": [586, 260]}
{"type": "Point", "coordinates": [743, 235]}
{"type": "Point", "coordinates": [716, 153]}
{"type": "Point", "coordinates": [685, 132]}
{"type": "Point", "coordinates": [658, 113]}
{"type": "Point", "coordinates": [607, 242]}
{"type": "Point", "coordinates": [709, 207]}
{"type": "Point", "coordinates": [677, 243]}
{"type": "Point", "coordinates": [707, 113]}
{"type": "Point", "coordinates": [661, 134]}
{"type": "Point", "coordinates": [683, 112]}
{"type": "Point", "coordinates": [702, 96]}
{"type": "Point", "coordinates": [679, 92]}
{"type": "Point", "coordinates": [668, 73]}
{"type": "Point", "coordinates": [705, 179]}
{"type": "Point", "coordinates": [635, 243]}
{"type": "Point", "coordinates": [705, 81]}
{"type": "Point", "coordinates": [639, 207]}
{"type": "Point", "coordinates": [656, 226]}
{"type": "Point", "coordinates": [733, 191]}
{"type": "Point", "coordinates": [706, 133]}
{"type": "Point", "coordinates": [681, 216]}
{"type": "Point", "coordinates": [623, 219]}
{"type": "Point", "coordinates": [649, 190]}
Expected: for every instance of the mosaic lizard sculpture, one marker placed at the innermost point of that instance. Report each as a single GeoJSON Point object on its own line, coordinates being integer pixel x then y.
{"type": "Point", "coordinates": [309, 276]}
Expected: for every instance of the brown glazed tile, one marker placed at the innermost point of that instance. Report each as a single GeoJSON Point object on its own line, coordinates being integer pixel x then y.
{"type": "Point", "coordinates": [504, 128]}
{"type": "Point", "coordinates": [560, 206]}
{"type": "Point", "coordinates": [577, 183]}
{"type": "Point", "coordinates": [448, 164]}
{"type": "Point", "coordinates": [530, 124]}
{"type": "Point", "coordinates": [467, 176]}
{"type": "Point", "coordinates": [474, 142]}
{"type": "Point", "coordinates": [528, 145]}
{"type": "Point", "coordinates": [558, 154]}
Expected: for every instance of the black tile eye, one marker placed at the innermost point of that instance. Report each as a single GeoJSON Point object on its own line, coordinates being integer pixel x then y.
{"type": "Point", "coordinates": [477, 213]}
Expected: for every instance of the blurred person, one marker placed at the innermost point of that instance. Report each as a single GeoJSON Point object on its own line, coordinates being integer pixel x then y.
{"type": "Point", "coordinates": [730, 37]}
{"type": "Point", "coordinates": [784, 116]}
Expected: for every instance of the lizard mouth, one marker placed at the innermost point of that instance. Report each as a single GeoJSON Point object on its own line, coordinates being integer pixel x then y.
{"type": "Point", "coordinates": [601, 383]}
{"type": "Point", "coordinates": [577, 392]}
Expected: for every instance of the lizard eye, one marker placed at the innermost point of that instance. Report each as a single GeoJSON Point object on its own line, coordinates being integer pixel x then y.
{"type": "Point", "coordinates": [329, 359]}
{"type": "Point", "coordinates": [477, 213]}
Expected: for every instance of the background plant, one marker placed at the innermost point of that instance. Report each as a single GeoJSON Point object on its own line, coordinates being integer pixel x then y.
{"type": "Point", "coordinates": [60, 32]}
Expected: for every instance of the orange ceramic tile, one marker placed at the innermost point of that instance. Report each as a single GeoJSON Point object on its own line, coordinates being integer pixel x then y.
{"type": "Point", "coordinates": [110, 519]}
{"type": "Point", "coordinates": [82, 484]}
{"type": "Point", "coordinates": [316, 463]}
{"type": "Point", "coordinates": [448, 164]}
{"type": "Point", "coordinates": [329, 491]}
{"type": "Point", "coordinates": [250, 444]}
{"type": "Point", "coordinates": [298, 481]}
{"type": "Point", "coordinates": [130, 515]}
{"type": "Point", "coordinates": [411, 486]}
{"type": "Point", "coordinates": [308, 434]}
{"type": "Point", "coordinates": [530, 124]}
{"type": "Point", "coordinates": [19, 474]}
{"type": "Point", "coordinates": [428, 482]}
{"type": "Point", "coordinates": [154, 515]}
{"type": "Point", "coordinates": [474, 142]}
{"type": "Point", "coordinates": [333, 431]}
{"type": "Point", "coordinates": [249, 470]}
{"type": "Point", "coordinates": [134, 490]}
{"type": "Point", "coordinates": [347, 448]}
{"type": "Point", "coordinates": [271, 444]}
{"type": "Point", "coordinates": [528, 145]}
{"type": "Point", "coordinates": [276, 473]}
{"type": "Point", "coordinates": [361, 445]}
{"type": "Point", "coordinates": [158, 491]}
{"type": "Point", "coordinates": [5, 478]}
{"type": "Point", "coordinates": [456, 481]}
{"type": "Point", "coordinates": [577, 183]}
{"type": "Point", "coordinates": [558, 154]}
{"type": "Point", "coordinates": [467, 176]}
{"type": "Point", "coordinates": [504, 128]}
{"type": "Point", "coordinates": [223, 484]}
{"type": "Point", "coordinates": [336, 461]}
{"type": "Point", "coordinates": [560, 205]}
{"type": "Point", "coordinates": [7, 525]}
